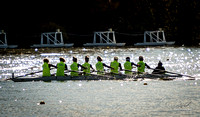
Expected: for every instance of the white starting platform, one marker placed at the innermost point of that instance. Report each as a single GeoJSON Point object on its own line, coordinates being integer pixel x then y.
{"type": "Point", "coordinates": [52, 40]}
{"type": "Point", "coordinates": [154, 38]}
{"type": "Point", "coordinates": [3, 41]}
{"type": "Point", "coordinates": [105, 38]}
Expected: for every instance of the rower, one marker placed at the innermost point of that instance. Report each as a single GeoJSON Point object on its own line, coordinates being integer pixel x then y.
{"type": "Point", "coordinates": [46, 67]}
{"type": "Point", "coordinates": [159, 69]}
{"type": "Point", "coordinates": [74, 67]}
{"type": "Point", "coordinates": [87, 66]}
{"type": "Point", "coordinates": [61, 67]}
{"type": "Point", "coordinates": [100, 66]}
{"type": "Point", "coordinates": [141, 65]}
{"type": "Point", "coordinates": [116, 65]}
{"type": "Point", "coordinates": [128, 66]}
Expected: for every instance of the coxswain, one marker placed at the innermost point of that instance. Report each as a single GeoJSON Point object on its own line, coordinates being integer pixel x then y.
{"type": "Point", "coordinates": [46, 67]}
{"type": "Point", "coordinates": [61, 67]}
{"type": "Point", "coordinates": [116, 66]}
{"type": "Point", "coordinates": [128, 66]}
{"type": "Point", "coordinates": [74, 67]}
{"type": "Point", "coordinates": [141, 65]}
{"type": "Point", "coordinates": [100, 66]}
{"type": "Point", "coordinates": [87, 66]}
{"type": "Point", "coordinates": [159, 69]}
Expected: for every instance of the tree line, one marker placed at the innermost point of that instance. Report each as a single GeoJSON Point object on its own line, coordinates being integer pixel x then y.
{"type": "Point", "coordinates": [180, 19]}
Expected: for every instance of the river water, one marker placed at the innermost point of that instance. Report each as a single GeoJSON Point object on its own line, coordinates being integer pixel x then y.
{"type": "Point", "coordinates": [179, 97]}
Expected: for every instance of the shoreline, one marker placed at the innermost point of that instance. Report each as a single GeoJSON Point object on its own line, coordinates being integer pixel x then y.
{"type": "Point", "coordinates": [18, 51]}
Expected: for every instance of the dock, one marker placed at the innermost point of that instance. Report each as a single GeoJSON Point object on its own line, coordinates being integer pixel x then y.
{"type": "Point", "coordinates": [3, 41]}
{"type": "Point", "coordinates": [104, 38]}
{"type": "Point", "coordinates": [154, 38]}
{"type": "Point", "coordinates": [52, 40]}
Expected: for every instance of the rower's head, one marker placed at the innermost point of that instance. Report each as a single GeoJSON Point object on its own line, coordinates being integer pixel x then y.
{"type": "Point", "coordinates": [46, 60]}
{"type": "Point", "coordinates": [62, 59]}
{"type": "Point", "coordinates": [127, 58]}
{"type": "Point", "coordinates": [159, 63]}
{"type": "Point", "coordinates": [141, 58]}
{"type": "Point", "coordinates": [99, 58]}
{"type": "Point", "coordinates": [86, 58]}
{"type": "Point", "coordinates": [74, 59]}
{"type": "Point", "coordinates": [116, 58]}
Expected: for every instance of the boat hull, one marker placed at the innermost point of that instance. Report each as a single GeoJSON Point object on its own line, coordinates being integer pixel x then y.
{"type": "Point", "coordinates": [64, 78]}
{"type": "Point", "coordinates": [97, 77]}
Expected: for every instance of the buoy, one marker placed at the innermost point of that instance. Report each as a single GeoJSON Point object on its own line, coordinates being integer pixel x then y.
{"type": "Point", "coordinates": [42, 102]}
{"type": "Point", "coordinates": [145, 83]}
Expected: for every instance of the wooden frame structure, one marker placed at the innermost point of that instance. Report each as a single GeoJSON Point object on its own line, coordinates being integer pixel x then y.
{"type": "Point", "coordinates": [156, 38]}
{"type": "Point", "coordinates": [3, 41]}
{"type": "Point", "coordinates": [52, 39]}
{"type": "Point", "coordinates": [104, 38]}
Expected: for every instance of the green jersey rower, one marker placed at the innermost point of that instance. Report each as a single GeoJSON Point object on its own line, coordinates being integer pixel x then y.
{"type": "Point", "coordinates": [46, 67]}
{"type": "Point", "coordinates": [116, 66]}
{"type": "Point", "coordinates": [61, 67]}
{"type": "Point", "coordinates": [141, 65]}
{"type": "Point", "coordinates": [128, 66]}
{"type": "Point", "coordinates": [87, 66]}
{"type": "Point", "coordinates": [100, 66]}
{"type": "Point", "coordinates": [74, 67]}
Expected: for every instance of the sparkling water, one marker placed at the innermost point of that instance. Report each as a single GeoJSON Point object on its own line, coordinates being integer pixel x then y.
{"type": "Point", "coordinates": [101, 98]}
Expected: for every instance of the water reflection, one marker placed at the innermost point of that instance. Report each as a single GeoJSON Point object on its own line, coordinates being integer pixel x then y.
{"type": "Point", "coordinates": [175, 59]}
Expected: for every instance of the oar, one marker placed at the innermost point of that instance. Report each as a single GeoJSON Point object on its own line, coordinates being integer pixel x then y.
{"type": "Point", "coordinates": [73, 71]}
{"type": "Point", "coordinates": [127, 75]}
{"type": "Point", "coordinates": [105, 74]}
{"type": "Point", "coordinates": [99, 75]}
{"type": "Point", "coordinates": [129, 70]}
{"type": "Point", "coordinates": [173, 73]}
{"type": "Point", "coordinates": [89, 73]}
{"type": "Point", "coordinates": [30, 68]}
{"type": "Point", "coordinates": [30, 73]}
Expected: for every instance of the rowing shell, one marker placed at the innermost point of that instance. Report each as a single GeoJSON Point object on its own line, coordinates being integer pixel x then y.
{"type": "Point", "coordinates": [64, 78]}
{"type": "Point", "coordinates": [97, 77]}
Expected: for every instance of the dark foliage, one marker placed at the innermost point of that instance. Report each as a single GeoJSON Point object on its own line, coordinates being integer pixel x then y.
{"type": "Point", "coordinates": [78, 19]}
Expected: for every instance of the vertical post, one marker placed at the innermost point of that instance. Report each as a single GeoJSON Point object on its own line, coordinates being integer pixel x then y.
{"type": "Point", "coordinates": [5, 38]}
{"type": "Point", "coordinates": [145, 33]}
{"type": "Point", "coordinates": [48, 42]}
{"type": "Point", "coordinates": [55, 38]}
{"type": "Point", "coordinates": [157, 39]}
{"type": "Point", "coordinates": [94, 41]}
{"type": "Point", "coordinates": [61, 38]}
{"type": "Point", "coordinates": [151, 37]}
{"type": "Point", "coordinates": [114, 36]}
{"type": "Point", "coordinates": [42, 38]}
{"type": "Point", "coordinates": [163, 36]}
